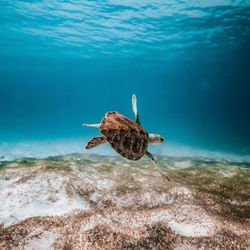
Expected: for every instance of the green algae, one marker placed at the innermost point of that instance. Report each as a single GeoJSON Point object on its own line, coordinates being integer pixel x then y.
{"type": "Point", "coordinates": [225, 183]}
{"type": "Point", "coordinates": [58, 167]}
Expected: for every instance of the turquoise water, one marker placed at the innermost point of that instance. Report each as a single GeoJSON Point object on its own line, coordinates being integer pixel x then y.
{"type": "Point", "coordinates": [68, 62]}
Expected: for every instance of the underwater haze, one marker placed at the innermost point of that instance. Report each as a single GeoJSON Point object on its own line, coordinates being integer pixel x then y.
{"type": "Point", "coordinates": [64, 63]}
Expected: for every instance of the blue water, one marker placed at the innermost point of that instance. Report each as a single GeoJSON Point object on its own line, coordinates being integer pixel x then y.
{"type": "Point", "coordinates": [68, 62]}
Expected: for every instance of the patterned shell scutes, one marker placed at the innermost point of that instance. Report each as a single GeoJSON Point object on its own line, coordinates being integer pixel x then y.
{"type": "Point", "coordinates": [125, 136]}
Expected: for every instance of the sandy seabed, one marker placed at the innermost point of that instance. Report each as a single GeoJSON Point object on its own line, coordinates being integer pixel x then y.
{"type": "Point", "coordinates": [87, 201]}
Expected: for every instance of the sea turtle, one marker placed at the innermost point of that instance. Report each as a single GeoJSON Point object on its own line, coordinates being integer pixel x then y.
{"type": "Point", "coordinates": [128, 138]}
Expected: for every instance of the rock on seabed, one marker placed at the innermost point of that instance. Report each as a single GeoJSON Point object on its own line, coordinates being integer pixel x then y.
{"type": "Point", "coordinates": [94, 202]}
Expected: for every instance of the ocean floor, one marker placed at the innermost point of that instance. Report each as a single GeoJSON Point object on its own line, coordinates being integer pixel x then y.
{"type": "Point", "coordinates": [88, 201]}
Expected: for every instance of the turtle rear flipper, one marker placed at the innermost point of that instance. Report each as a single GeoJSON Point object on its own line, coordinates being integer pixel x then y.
{"type": "Point", "coordinates": [150, 156]}
{"type": "Point", "coordinates": [96, 141]}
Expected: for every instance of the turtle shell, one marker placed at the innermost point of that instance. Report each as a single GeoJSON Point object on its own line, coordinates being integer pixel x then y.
{"type": "Point", "coordinates": [125, 136]}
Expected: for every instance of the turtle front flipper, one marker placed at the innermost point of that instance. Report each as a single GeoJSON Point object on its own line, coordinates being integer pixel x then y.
{"type": "Point", "coordinates": [156, 165]}
{"type": "Point", "coordinates": [137, 120]}
{"type": "Point", "coordinates": [96, 141]}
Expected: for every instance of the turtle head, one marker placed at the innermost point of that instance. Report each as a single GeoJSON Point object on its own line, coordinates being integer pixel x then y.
{"type": "Point", "coordinates": [155, 139]}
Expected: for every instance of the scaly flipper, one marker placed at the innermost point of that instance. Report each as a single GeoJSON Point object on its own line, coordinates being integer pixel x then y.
{"type": "Point", "coordinates": [137, 120]}
{"type": "Point", "coordinates": [91, 125]}
{"type": "Point", "coordinates": [96, 141]}
{"type": "Point", "coordinates": [156, 165]}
